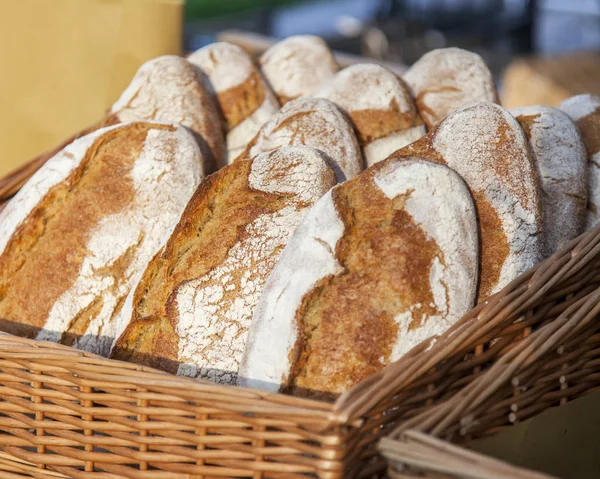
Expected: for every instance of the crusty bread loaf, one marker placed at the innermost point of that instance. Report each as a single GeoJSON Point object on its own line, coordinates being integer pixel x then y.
{"type": "Point", "coordinates": [585, 112]}
{"type": "Point", "coordinates": [561, 163]}
{"type": "Point", "coordinates": [313, 122]}
{"type": "Point", "coordinates": [77, 237]}
{"type": "Point", "coordinates": [193, 306]}
{"type": "Point", "coordinates": [172, 90]}
{"type": "Point", "coordinates": [380, 106]}
{"type": "Point", "coordinates": [446, 79]}
{"type": "Point", "coordinates": [246, 100]}
{"type": "Point", "coordinates": [379, 264]}
{"type": "Point", "coordinates": [486, 146]}
{"type": "Point", "coordinates": [297, 66]}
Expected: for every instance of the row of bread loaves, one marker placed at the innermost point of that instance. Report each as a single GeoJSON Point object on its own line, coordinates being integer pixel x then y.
{"type": "Point", "coordinates": [291, 268]}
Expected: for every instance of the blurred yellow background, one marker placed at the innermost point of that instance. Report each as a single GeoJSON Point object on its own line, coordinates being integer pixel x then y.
{"type": "Point", "coordinates": [64, 62]}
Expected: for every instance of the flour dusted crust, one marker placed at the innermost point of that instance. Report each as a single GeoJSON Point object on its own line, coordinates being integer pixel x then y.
{"type": "Point", "coordinates": [193, 306]}
{"type": "Point", "coordinates": [379, 105]}
{"type": "Point", "coordinates": [79, 234]}
{"type": "Point", "coordinates": [379, 264]}
{"type": "Point", "coordinates": [313, 122]}
{"type": "Point", "coordinates": [585, 112]}
{"type": "Point", "coordinates": [246, 100]}
{"type": "Point", "coordinates": [446, 79]}
{"type": "Point", "coordinates": [172, 90]}
{"type": "Point", "coordinates": [486, 146]}
{"type": "Point", "coordinates": [297, 66]}
{"type": "Point", "coordinates": [561, 163]}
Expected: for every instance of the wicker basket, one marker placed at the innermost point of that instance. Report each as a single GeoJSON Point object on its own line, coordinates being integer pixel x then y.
{"type": "Point", "coordinates": [65, 413]}
{"type": "Point", "coordinates": [414, 454]}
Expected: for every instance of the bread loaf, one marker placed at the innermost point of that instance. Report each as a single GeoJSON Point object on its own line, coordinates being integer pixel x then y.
{"type": "Point", "coordinates": [246, 101]}
{"type": "Point", "coordinates": [585, 112]}
{"type": "Point", "coordinates": [77, 237]}
{"type": "Point", "coordinates": [446, 79]}
{"type": "Point", "coordinates": [380, 106]}
{"type": "Point", "coordinates": [379, 264]}
{"type": "Point", "coordinates": [297, 66]}
{"type": "Point", "coordinates": [486, 146]}
{"type": "Point", "coordinates": [170, 89]}
{"type": "Point", "coordinates": [313, 122]}
{"type": "Point", "coordinates": [561, 164]}
{"type": "Point", "coordinates": [193, 306]}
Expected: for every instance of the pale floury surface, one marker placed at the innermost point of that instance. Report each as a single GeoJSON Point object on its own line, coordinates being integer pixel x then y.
{"type": "Point", "coordinates": [561, 163]}
{"type": "Point", "coordinates": [444, 80]}
{"type": "Point", "coordinates": [486, 145]}
{"type": "Point", "coordinates": [378, 265]}
{"type": "Point", "coordinates": [297, 66]}
{"type": "Point", "coordinates": [317, 123]}
{"type": "Point", "coordinates": [246, 100]}
{"type": "Point", "coordinates": [380, 106]}
{"type": "Point", "coordinates": [585, 112]}
{"type": "Point", "coordinates": [202, 288]}
{"type": "Point", "coordinates": [170, 89]}
{"type": "Point", "coordinates": [98, 201]}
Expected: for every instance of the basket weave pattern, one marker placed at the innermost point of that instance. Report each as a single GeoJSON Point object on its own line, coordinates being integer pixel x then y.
{"type": "Point", "coordinates": [68, 412]}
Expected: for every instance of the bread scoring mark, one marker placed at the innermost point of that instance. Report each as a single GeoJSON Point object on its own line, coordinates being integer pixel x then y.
{"type": "Point", "coordinates": [377, 101]}
{"type": "Point", "coordinates": [51, 243]}
{"type": "Point", "coordinates": [446, 79]}
{"type": "Point", "coordinates": [212, 270]}
{"type": "Point", "coordinates": [237, 82]}
{"type": "Point", "coordinates": [170, 89]}
{"type": "Point", "coordinates": [378, 150]}
{"type": "Point", "coordinates": [495, 248]}
{"type": "Point", "coordinates": [380, 253]}
{"type": "Point", "coordinates": [164, 168]}
{"type": "Point", "coordinates": [488, 148]}
{"type": "Point", "coordinates": [313, 122]}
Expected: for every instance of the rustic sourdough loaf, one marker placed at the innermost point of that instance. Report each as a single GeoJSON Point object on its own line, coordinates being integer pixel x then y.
{"type": "Point", "coordinates": [313, 122]}
{"type": "Point", "coordinates": [380, 106]}
{"type": "Point", "coordinates": [297, 66]}
{"type": "Point", "coordinates": [379, 264]}
{"type": "Point", "coordinates": [561, 163]}
{"type": "Point", "coordinates": [486, 146]}
{"type": "Point", "coordinates": [172, 90]}
{"type": "Point", "coordinates": [246, 100]}
{"type": "Point", "coordinates": [194, 304]}
{"type": "Point", "coordinates": [76, 239]}
{"type": "Point", "coordinates": [585, 112]}
{"type": "Point", "coordinates": [444, 80]}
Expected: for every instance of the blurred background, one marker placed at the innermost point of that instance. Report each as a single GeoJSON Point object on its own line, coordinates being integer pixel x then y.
{"type": "Point", "coordinates": [65, 62]}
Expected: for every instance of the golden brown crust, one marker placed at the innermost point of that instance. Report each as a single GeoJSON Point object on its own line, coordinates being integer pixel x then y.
{"type": "Point", "coordinates": [150, 341]}
{"type": "Point", "coordinates": [198, 244]}
{"type": "Point", "coordinates": [50, 244]}
{"type": "Point", "coordinates": [239, 102]}
{"type": "Point", "coordinates": [347, 321]}
{"type": "Point", "coordinates": [494, 245]}
{"type": "Point", "coordinates": [373, 124]}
